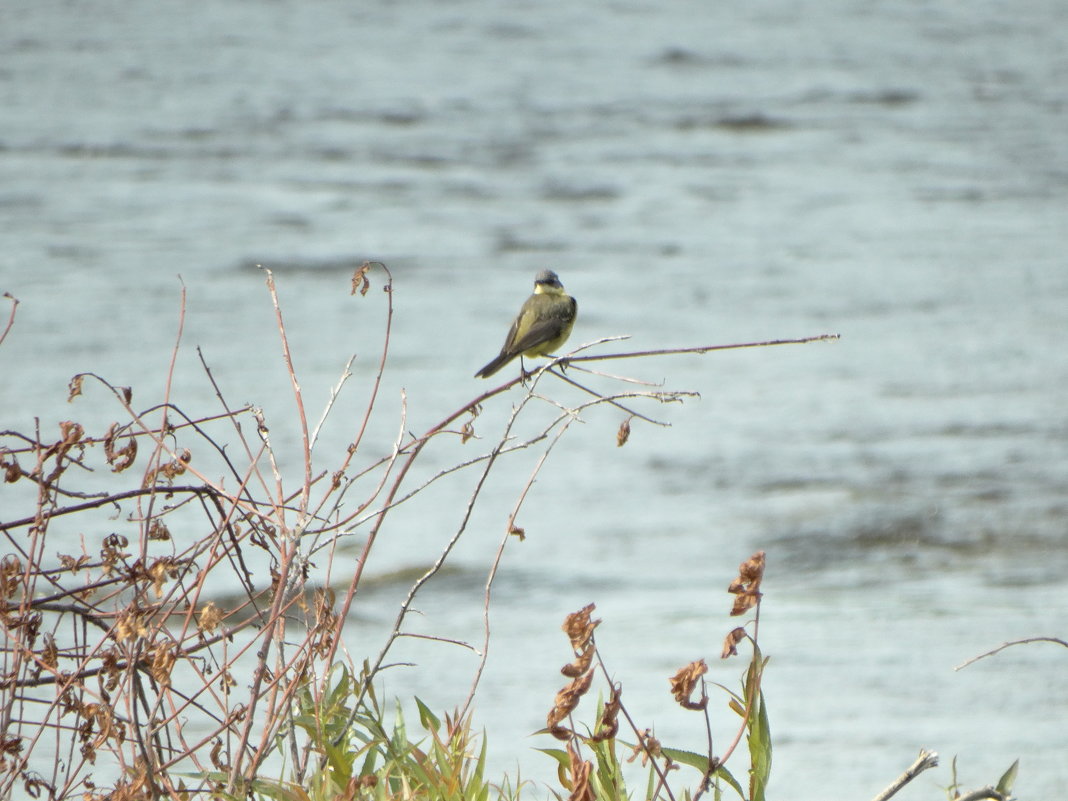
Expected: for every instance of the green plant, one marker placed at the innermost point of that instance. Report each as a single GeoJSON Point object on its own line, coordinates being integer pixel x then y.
{"type": "Point", "coordinates": [590, 766]}
{"type": "Point", "coordinates": [363, 757]}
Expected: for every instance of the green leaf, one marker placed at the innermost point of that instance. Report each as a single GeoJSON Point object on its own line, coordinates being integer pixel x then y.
{"type": "Point", "coordinates": [336, 695]}
{"type": "Point", "coordinates": [727, 776]}
{"type": "Point", "coordinates": [759, 750]}
{"type": "Point", "coordinates": [700, 761]}
{"type": "Point", "coordinates": [368, 766]}
{"type": "Point", "coordinates": [557, 754]}
{"type": "Point", "coordinates": [340, 760]}
{"type": "Point", "coordinates": [430, 721]}
{"type": "Point", "coordinates": [562, 764]}
{"type": "Point", "coordinates": [480, 766]}
{"type": "Point", "coordinates": [608, 775]}
{"type": "Point", "coordinates": [1008, 779]}
{"type": "Point", "coordinates": [694, 760]}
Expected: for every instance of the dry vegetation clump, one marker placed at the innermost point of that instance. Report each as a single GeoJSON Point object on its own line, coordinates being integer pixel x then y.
{"type": "Point", "coordinates": [174, 605]}
{"type": "Point", "coordinates": [171, 603]}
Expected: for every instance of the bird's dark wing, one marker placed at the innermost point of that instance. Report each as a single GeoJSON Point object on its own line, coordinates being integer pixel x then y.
{"type": "Point", "coordinates": [547, 329]}
{"type": "Point", "coordinates": [540, 332]}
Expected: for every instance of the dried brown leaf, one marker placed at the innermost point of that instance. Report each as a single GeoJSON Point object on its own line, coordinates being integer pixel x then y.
{"type": "Point", "coordinates": [72, 564]}
{"type": "Point", "coordinates": [113, 551]}
{"type": "Point", "coordinates": [608, 726]}
{"type": "Point", "coordinates": [12, 471]}
{"type": "Point", "coordinates": [580, 770]}
{"type": "Point", "coordinates": [561, 733]}
{"type": "Point", "coordinates": [158, 572]}
{"type": "Point", "coordinates": [623, 434]}
{"type": "Point", "coordinates": [746, 588]}
{"type": "Point", "coordinates": [75, 387]}
{"type": "Point", "coordinates": [568, 698]}
{"type": "Point", "coordinates": [176, 467]}
{"type": "Point", "coordinates": [730, 642]}
{"type": "Point", "coordinates": [209, 617]}
{"type": "Point", "coordinates": [111, 669]}
{"type": "Point", "coordinates": [648, 747]}
{"type": "Point", "coordinates": [467, 431]}
{"type": "Point", "coordinates": [581, 664]}
{"type": "Point", "coordinates": [359, 279]}
{"type": "Point", "coordinates": [119, 458]}
{"type": "Point", "coordinates": [326, 623]}
{"type": "Point", "coordinates": [158, 531]}
{"type": "Point", "coordinates": [130, 624]}
{"type": "Point", "coordinates": [50, 653]}
{"type": "Point", "coordinates": [217, 756]}
{"type": "Point", "coordinates": [71, 434]}
{"type": "Point", "coordinates": [686, 681]}
{"type": "Point", "coordinates": [162, 664]}
{"type": "Point", "coordinates": [36, 787]}
{"type": "Point", "coordinates": [10, 576]}
{"type": "Point", "coordinates": [579, 627]}
{"type": "Point", "coordinates": [752, 570]}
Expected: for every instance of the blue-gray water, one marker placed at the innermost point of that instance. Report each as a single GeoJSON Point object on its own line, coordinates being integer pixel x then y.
{"type": "Point", "coordinates": [697, 174]}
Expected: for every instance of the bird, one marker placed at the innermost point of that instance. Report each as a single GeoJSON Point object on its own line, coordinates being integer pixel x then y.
{"type": "Point", "coordinates": [542, 325]}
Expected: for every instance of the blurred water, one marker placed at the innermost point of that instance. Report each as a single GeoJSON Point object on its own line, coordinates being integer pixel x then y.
{"type": "Point", "coordinates": [896, 173]}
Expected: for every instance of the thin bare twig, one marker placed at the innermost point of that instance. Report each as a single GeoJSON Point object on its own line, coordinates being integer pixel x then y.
{"type": "Point", "coordinates": [509, 532]}
{"type": "Point", "coordinates": [702, 349]}
{"type": "Point", "coordinates": [925, 761]}
{"type": "Point", "coordinates": [298, 396]}
{"type": "Point", "coordinates": [11, 316]}
{"type": "Point", "coordinates": [666, 397]}
{"type": "Point", "coordinates": [335, 391]}
{"type": "Point", "coordinates": [1005, 645]}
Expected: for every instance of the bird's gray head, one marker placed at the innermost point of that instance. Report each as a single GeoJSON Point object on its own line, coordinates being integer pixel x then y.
{"type": "Point", "coordinates": [547, 277]}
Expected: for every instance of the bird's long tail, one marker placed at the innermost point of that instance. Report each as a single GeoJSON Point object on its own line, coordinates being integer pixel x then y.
{"type": "Point", "coordinates": [495, 365]}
